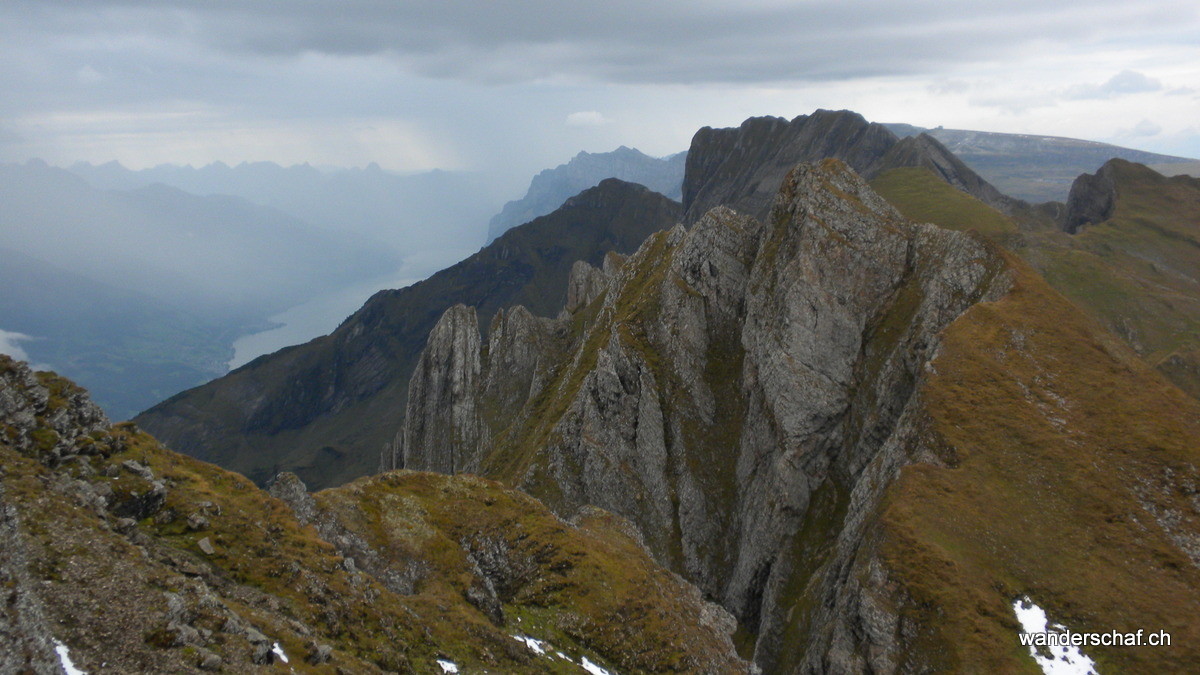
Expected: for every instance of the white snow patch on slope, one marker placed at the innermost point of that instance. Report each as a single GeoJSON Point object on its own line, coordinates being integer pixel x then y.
{"type": "Point", "coordinates": [64, 655]}
{"type": "Point", "coordinates": [279, 652]}
{"type": "Point", "coordinates": [533, 643]}
{"type": "Point", "coordinates": [1067, 660]}
{"type": "Point", "coordinates": [593, 668]}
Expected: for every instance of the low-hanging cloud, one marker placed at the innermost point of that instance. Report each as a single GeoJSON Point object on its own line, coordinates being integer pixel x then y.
{"type": "Point", "coordinates": [1144, 129]}
{"type": "Point", "coordinates": [482, 85]}
{"type": "Point", "coordinates": [586, 118]}
{"type": "Point", "coordinates": [1123, 83]}
{"type": "Point", "coordinates": [10, 344]}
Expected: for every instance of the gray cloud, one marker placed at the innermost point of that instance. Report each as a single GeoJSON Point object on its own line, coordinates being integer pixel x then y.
{"type": "Point", "coordinates": [586, 118]}
{"type": "Point", "coordinates": [175, 80]}
{"type": "Point", "coordinates": [10, 345]}
{"type": "Point", "coordinates": [1145, 128]}
{"type": "Point", "coordinates": [1124, 82]}
{"type": "Point", "coordinates": [620, 41]}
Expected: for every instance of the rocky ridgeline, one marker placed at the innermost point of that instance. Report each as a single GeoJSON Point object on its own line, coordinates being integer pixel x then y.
{"type": "Point", "coordinates": [325, 409]}
{"type": "Point", "coordinates": [742, 167]}
{"type": "Point", "coordinates": [743, 391]}
{"type": "Point", "coordinates": [130, 558]}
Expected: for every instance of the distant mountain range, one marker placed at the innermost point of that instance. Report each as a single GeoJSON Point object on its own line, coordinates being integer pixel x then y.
{"type": "Point", "coordinates": [1029, 167]}
{"type": "Point", "coordinates": [551, 187]}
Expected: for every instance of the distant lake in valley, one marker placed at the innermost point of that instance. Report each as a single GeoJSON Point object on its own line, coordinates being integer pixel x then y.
{"type": "Point", "coordinates": [323, 313]}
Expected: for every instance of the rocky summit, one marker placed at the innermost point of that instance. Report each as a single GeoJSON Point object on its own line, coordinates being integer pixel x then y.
{"type": "Point", "coordinates": [864, 437]}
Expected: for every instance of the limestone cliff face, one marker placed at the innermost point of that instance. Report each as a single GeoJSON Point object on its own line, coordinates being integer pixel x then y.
{"type": "Point", "coordinates": [1092, 199]}
{"type": "Point", "coordinates": [446, 432]}
{"type": "Point", "coordinates": [325, 409]}
{"type": "Point", "coordinates": [743, 391]}
{"type": "Point", "coordinates": [742, 167]}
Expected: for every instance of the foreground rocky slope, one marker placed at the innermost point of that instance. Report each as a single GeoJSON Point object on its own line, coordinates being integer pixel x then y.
{"type": "Point", "coordinates": [141, 560]}
{"type": "Point", "coordinates": [324, 409]}
{"type": "Point", "coordinates": [844, 427]}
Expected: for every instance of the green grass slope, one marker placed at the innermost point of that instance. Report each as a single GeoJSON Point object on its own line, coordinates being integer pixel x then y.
{"type": "Point", "coordinates": [1137, 273]}
{"type": "Point", "coordinates": [1069, 476]}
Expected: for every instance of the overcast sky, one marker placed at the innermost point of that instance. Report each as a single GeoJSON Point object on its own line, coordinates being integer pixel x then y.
{"type": "Point", "coordinates": [515, 86]}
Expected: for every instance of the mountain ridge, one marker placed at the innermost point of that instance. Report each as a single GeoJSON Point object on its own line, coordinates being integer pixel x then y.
{"type": "Point", "coordinates": [740, 168]}
{"type": "Point", "coordinates": [299, 407]}
{"type": "Point", "coordinates": [551, 187]}
{"type": "Point", "coordinates": [822, 419]}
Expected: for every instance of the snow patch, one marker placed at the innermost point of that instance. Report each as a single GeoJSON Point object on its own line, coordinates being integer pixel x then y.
{"type": "Point", "coordinates": [279, 652]}
{"type": "Point", "coordinates": [593, 668]}
{"type": "Point", "coordinates": [64, 656]}
{"type": "Point", "coordinates": [448, 666]}
{"type": "Point", "coordinates": [532, 643]}
{"type": "Point", "coordinates": [1065, 660]}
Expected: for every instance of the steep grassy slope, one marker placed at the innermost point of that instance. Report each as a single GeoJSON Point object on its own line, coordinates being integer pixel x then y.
{"type": "Point", "coordinates": [326, 409]}
{"type": "Point", "coordinates": [1067, 473]}
{"type": "Point", "coordinates": [925, 198]}
{"type": "Point", "coordinates": [143, 560]}
{"type": "Point", "coordinates": [1137, 272]}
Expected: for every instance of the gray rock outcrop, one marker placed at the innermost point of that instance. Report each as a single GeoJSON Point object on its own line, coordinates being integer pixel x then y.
{"type": "Point", "coordinates": [26, 643]}
{"type": "Point", "coordinates": [743, 167]}
{"type": "Point", "coordinates": [744, 393]}
{"type": "Point", "coordinates": [444, 432]}
{"type": "Point", "coordinates": [1092, 199]}
{"type": "Point", "coordinates": [327, 409]}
